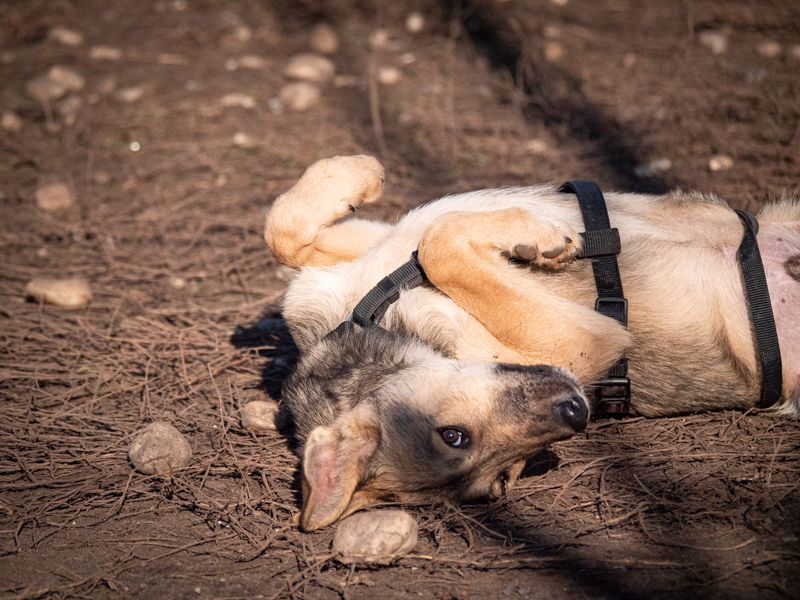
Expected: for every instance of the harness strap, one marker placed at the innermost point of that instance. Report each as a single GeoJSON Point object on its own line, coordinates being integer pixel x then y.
{"type": "Point", "coordinates": [757, 292]}
{"type": "Point", "coordinates": [601, 244]}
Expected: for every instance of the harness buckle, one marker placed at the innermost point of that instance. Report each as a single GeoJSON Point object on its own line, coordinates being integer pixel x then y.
{"type": "Point", "coordinates": [613, 396]}
{"type": "Point", "coordinates": [614, 307]}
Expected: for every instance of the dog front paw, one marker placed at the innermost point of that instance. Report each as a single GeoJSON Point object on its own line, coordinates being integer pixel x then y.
{"type": "Point", "coordinates": [551, 248]}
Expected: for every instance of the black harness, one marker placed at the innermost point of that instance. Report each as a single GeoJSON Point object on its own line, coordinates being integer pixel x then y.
{"type": "Point", "coordinates": [601, 244]}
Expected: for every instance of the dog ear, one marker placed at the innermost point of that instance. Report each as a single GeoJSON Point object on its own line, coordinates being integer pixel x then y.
{"type": "Point", "coordinates": [335, 460]}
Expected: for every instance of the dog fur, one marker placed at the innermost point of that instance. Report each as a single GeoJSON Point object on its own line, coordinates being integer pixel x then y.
{"type": "Point", "coordinates": [507, 288]}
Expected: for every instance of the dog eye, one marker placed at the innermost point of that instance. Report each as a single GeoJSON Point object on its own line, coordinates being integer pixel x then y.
{"type": "Point", "coordinates": [454, 437]}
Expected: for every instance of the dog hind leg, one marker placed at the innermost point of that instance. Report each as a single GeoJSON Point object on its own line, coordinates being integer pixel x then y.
{"type": "Point", "coordinates": [301, 228]}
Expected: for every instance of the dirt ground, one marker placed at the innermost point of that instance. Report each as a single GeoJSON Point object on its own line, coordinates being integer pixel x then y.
{"type": "Point", "coordinates": [184, 324]}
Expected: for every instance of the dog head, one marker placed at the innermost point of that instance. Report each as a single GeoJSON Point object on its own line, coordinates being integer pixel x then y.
{"type": "Point", "coordinates": [384, 417]}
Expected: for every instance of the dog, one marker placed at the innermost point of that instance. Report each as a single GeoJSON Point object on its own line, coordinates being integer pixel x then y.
{"type": "Point", "coordinates": [484, 366]}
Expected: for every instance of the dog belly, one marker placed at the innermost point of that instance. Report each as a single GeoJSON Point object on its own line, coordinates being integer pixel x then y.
{"type": "Point", "coordinates": [780, 249]}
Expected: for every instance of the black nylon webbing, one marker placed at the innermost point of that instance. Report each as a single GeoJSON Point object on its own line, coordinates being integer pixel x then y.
{"type": "Point", "coordinates": [755, 285]}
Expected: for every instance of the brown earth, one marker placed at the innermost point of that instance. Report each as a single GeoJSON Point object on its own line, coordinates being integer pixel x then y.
{"type": "Point", "coordinates": [696, 506]}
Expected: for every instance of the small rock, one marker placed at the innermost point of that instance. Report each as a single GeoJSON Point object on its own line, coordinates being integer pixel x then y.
{"type": "Point", "coordinates": [179, 5]}
{"type": "Point", "coordinates": [716, 41]}
{"type": "Point", "coordinates": [68, 37]}
{"type": "Point", "coordinates": [275, 105]}
{"type": "Point", "coordinates": [536, 146]}
{"type": "Point", "coordinates": [415, 22]}
{"type": "Point", "coordinates": [299, 96]}
{"type": "Point", "coordinates": [159, 448]}
{"type": "Point", "coordinates": [67, 293]}
{"type": "Point", "coordinates": [552, 32]}
{"type": "Point", "coordinates": [106, 86]}
{"type": "Point", "coordinates": [310, 67]}
{"type": "Point", "coordinates": [11, 121]}
{"type": "Point", "coordinates": [376, 537]}
{"type": "Point", "coordinates": [7, 57]}
{"type": "Point", "coordinates": [238, 100]}
{"type": "Point", "coordinates": [655, 166]}
{"type": "Point", "coordinates": [70, 80]}
{"type": "Point", "coordinates": [629, 60]}
{"type": "Point", "coordinates": [54, 196]}
{"type": "Point", "coordinates": [794, 52]}
{"type": "Point", "coordinates": [109, 53]}
{"type": "Point", "coordinates": [252, 61]}
{"type": "Point", "coordinates": [345, 81]}
{"type": "Point", "coordinates": [177, 282]}
{"type": "Point", "coordinates": [45, 90]}
{"type": "Point", "coordinates": [407, 58]}
{"type": "Point", "coordinates": [389, 75]}
{"type": "Point", "coordinates": [559, 2]}
{"type": "Point", "coordinates": [379, 39]}
{"type": "Point", "coordinates": [242, 140]}
{"type": "Point", "coordinates": [769, 49]}
{"type": "Point", "coordinates": [553, 51]}
{"type": "Point", "coordinates": [231, 65]}
{"type": "Point", "coordinates": [260, 415]}
{"type": "Point", "coordinates": [68, 108]}
{"type": "Point", "coordinates": [130, 94]}
{"type": "Point", "coordinates": [720, 162]}
{"type": "Point", "coordinates": [323, 39]}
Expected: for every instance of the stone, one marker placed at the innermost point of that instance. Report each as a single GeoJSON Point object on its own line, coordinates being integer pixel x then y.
{"type": "Point", "coordinates": [45, 90]}
{"type": "Point", "coordinates": [252, 61]}
{"type": "Point", "coordinates": [260, 415]}
{"type": "Point", "coordinates": [536, 146]}
{"type": "Point", "coordinates": [720, 162]}
{"type": "Point", "coordinates": [553, 51]}
{"type": "Point", "coordinates": [177, 283]}
{"type": "Point", "coordinates": [242, 140]}
{"type": "Point", "coordinates": [238, 100]}
{"type": "Point", "coordinates": [415, 22]}
{"type": "Point", "coordinates": [654, 167]}
{"type": "Point", "coordinates": [68, 109]}
{"type": "Point", "coordinates": [794, 52]}
{"type": "Point", "coordinates": [54, 196]}
{"type": "Point", "coordinates": [102, 178]}
{"type": "Point", "coordinates": [11, 121]}
{"type": "Point", "coordinates": [389, 75]}
{"type": "Point", "coordinates": [159, 448]}
{"type": "Point", "coordinates": [109, 53]}
{"type": "Point", "coordinates": [63, 35]}
{"type": "Point", "coordinates": [130, 94]}
{"type": "Point", "coordinates": [323, 39]}
{"type": "Point", "coordinates": [69, 79]}
{"type": "Point", "coordinates": [379, 39]}
{"type": "Point", "coordinates": [716, 41]}
{"type": "Point", "coordinates": [299, 96]}
{"type": "Point", "coordinates": [769, 49]}
{"type": "Point", "coordinates": [310, 67]}
{"type": "Point", "coordinates": [375, 537]}
{"type": "Point", "coordinates": [67, 293]}
{"type": "Point", "coordinates": [172, 59]}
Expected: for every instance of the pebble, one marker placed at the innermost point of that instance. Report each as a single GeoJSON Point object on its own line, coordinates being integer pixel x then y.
{"type": "Point", "coordinates": [720, 162]}
{"type": "Point", "coordinates": [379, 39]}
{"type": "Point", "coordinates": [67, 293]}
{"type": "Point", "coordinates": [68, 37]}
{"type": "Point", "coordinates": [655, 166]}
{"type": "Point", "coordinates": [629, 60]}
{"type": "Point", "coordinates": [68, 109]}
{"type": "Point", "coordinates": [69, 79]}
{"type": "Point", "coordinates": [415, 22]}
{"type": "Point", "coordinates": [536, 146]}
{"type": "Point", "coordinates": [310, 67]}
{"type": "Point", "coordinates": [177, 283]}
{"type": "Point", "coordinates": [259, 415]}
{"type": "Point", "coordinates": [242, 140]}
{"type": "Point", "coordinates": [238, 100]}
{"type": "Point", "coordinates": [553, 51]}
{"type": "Point", "coordinates": [389, 75]}
{"type": "Point", "coordinates": [54, 196]}
{"type": "Point", "coordinates": [299, 96]}
{"type": "Point", "coordinates": [159, 448]}
{"type": "Point", "coordinates": [716, 41]}
{"type": "Point", "coordinates": [552, 31]}
{"type": "Point", "coordinates": [11, 121]}
{"type": "Point", "coordinates": [794, 52]}
{"type": "Point", "coordinates": [102, 178]}
{"type": "Point", "coordinates": [44, 90]}
{"type": "Point", "coordinates": [252, 61]}
{"type": "Point", "coordinates": [173, 60]}
{"type": "Point", "coordinates": [376, 537]}
{"type": "Point", "coordinates": [231, 64]}
{"type": "Point", "coordinates": [407, 58]}
{"type": "Point", "coordinates": [7, 58]}
{"type": "Point", "coordinates": [323, 39]}
{"type": "Point", "coordinates": [109, 53]}
{"type": "Point", "coordinates": [559, 2]}
{"type": "Point", "coordinates": [769, 49]}
{"type": "Point", "coordinates": [345, 81]}
{"type": "Point", "coordinates": [130, 94]}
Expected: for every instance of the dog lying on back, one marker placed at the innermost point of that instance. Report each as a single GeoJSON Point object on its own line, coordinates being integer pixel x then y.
{"type": "Point", "coordinates": [451, 403]}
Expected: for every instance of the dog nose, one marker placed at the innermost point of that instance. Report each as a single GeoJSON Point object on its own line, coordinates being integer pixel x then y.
{"type": "Point", "coordinates": [574, 411]}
